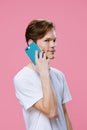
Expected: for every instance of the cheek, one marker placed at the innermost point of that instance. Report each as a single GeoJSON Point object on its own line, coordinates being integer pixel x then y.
{"type": "Point", "coordinates": [44, 48]}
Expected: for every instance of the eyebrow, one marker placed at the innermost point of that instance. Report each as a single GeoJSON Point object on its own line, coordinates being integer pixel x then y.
{"type": "Point", "coordinates": [48, 38]}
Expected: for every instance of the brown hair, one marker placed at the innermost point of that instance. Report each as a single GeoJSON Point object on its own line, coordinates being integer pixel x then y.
{"type": "Point", "coordinates": [37, 29]}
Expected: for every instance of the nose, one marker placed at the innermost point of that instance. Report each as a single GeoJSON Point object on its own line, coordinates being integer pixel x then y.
{"type": "Point", "coordinates": [52, 44]}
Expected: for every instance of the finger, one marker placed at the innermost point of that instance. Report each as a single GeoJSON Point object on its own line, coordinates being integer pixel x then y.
{"type": "Point", "coordinates": [44, 55]}
{"type": "Point", "coordinates": [36, 55]}
{"type": "Point", "coordinates": [40, 55]}
{"type": "Point", "coordinates": [48, 60]}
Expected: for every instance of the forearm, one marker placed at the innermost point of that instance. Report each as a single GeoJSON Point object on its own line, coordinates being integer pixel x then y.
{"type": "Point", "coordinates": [49, 99]}
{"type": "Point", "coordinates": [47, 104]}
{"type": "Point", "coordinates": [68, 122]}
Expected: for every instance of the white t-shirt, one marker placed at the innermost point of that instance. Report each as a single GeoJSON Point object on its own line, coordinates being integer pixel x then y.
{"type": "Point", "coordinates": [29, 90]}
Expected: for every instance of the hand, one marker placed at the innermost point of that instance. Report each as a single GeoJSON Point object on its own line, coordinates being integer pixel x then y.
{"type": "Point", "coordinates": [42, 64]}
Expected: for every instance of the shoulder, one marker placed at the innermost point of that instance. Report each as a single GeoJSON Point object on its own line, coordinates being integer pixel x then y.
{"type": "Point", "coordinates": [20, 73]}
{"type": "Point", "coordinates": [58, 73]}
{"type": "Point", "coordinates": [23, 75]}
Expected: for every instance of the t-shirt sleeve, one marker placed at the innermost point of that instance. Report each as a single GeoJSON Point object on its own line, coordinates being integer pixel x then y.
{"type": "Point", "coordinates": [28, 92]}
{"type": "Point", "coordinates": [66, 93]}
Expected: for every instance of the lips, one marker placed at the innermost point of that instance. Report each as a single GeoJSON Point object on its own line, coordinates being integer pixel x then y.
{"type": "Point", "coordinates": [51, 51]}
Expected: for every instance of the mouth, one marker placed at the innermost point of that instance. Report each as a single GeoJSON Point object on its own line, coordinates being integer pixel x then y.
{"type": "Point", "coordinates": [52, 51]}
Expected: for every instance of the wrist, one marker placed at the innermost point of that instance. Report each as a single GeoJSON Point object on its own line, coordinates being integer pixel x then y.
{"type": "Point", "coordinates": [44, 74]}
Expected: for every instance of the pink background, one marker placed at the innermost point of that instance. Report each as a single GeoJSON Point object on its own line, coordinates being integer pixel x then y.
{"type": "Point", "coordinates": [70, 18]}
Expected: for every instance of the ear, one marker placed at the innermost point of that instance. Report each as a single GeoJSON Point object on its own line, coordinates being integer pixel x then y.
{"type": "Point", "coordinates": [30, 41]}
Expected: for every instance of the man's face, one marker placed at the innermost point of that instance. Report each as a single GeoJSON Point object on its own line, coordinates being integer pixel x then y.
{"type": "Point", "coordinates": [47, 44]}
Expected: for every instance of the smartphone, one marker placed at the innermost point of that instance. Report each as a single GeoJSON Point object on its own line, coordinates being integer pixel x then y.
{"type": "Point", "coordinates": [30, 51]}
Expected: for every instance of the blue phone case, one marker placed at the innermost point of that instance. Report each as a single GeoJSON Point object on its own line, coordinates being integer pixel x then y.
{"type": "Point", "coordinates": [30, 51]}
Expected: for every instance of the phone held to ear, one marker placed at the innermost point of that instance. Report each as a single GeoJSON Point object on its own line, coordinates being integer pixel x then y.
{"type": "Point", "coordinates": [30, 51]}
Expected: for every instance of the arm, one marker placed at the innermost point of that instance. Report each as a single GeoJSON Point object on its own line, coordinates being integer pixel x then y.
{"type": "Point", "coordinates": [68, 122]}
{"type": "Point", "coordinates": [48, 104]}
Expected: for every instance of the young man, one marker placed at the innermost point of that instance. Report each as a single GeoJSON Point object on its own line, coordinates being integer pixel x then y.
{"type": "Point", "coordinates": [42, 90]}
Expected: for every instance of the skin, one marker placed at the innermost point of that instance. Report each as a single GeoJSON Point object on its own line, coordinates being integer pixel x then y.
{"type": "Point", "coordinates": [47, 44]}
{"type": "Point", "coordinates": [48, 104]}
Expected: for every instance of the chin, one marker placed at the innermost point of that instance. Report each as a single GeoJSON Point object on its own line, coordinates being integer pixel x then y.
{"type": "Point", "coordinates": [51, 57]}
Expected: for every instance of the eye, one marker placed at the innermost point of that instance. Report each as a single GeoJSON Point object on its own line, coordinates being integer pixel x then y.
{"type": "Point", "coordinates": [47, 40]}
{"type": "Point", "coordinates": [54, 40]}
